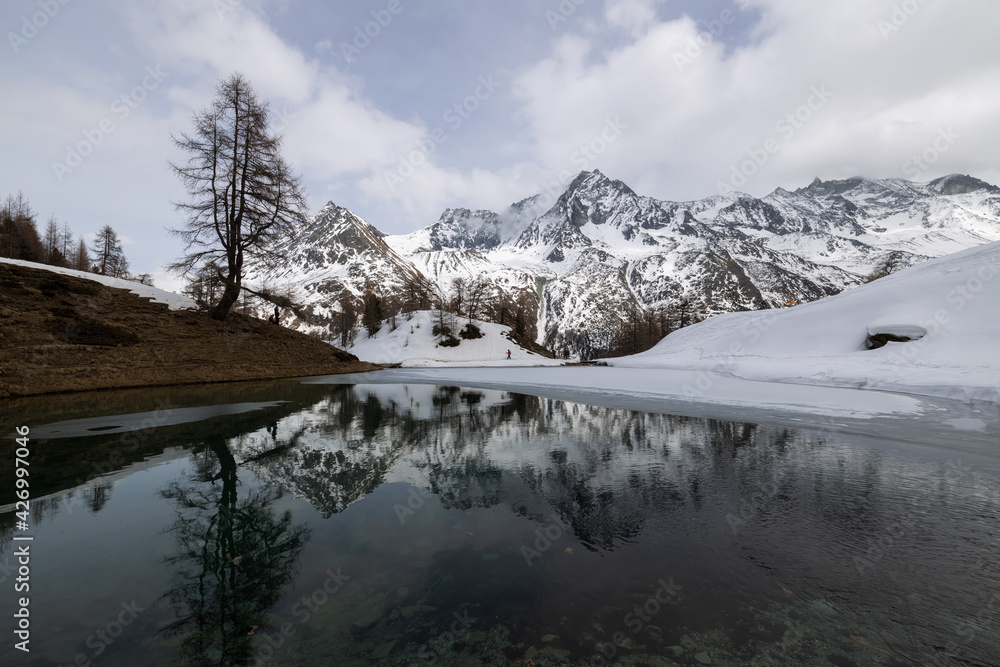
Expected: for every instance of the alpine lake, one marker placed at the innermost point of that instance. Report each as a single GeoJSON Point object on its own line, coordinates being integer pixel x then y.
{"type": "Point", "coordinates": [354, 520]}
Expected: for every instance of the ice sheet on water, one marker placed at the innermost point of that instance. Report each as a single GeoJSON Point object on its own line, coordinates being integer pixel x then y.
{"type": "Point", "coordinates": [109, 425]}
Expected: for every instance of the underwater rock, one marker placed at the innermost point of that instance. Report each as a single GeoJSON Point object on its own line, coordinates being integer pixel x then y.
{"type": "Point", "coordinates": [822, 607]}
{"type": "Point", "coordinates": [688, 643]}
{"type": "Point", "coordinates": [368, 612]}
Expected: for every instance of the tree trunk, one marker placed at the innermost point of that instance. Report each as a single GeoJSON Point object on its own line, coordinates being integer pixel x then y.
{"type": "Point", "coordinates": [229, 297]}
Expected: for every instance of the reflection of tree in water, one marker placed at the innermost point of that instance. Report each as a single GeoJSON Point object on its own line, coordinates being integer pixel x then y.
{"type": "Point", "coordinates": [233, 558]}
{"type": "Point", "coordinates": [96, 496]}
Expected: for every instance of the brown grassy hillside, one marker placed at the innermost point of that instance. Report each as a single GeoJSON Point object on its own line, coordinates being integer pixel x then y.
{"type": "Point", "coordinates": [61, 333]}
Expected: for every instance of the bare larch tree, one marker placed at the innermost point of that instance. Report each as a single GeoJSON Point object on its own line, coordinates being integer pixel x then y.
{"type": "Point", "coordinates": [244, 197]}
{"type": "Point", "coordinates": [109, 258]}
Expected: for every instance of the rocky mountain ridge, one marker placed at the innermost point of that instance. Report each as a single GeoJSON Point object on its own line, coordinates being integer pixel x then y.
{"type": "Point", "coordinates": [583, 262]}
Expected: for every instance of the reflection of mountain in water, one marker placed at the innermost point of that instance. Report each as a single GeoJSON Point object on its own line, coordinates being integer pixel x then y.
{"type": "Point", "coordinates": [601, 469]}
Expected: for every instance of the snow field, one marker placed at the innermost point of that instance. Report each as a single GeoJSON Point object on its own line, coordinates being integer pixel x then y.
{"type": "Point", "coordinates": [413, 344]}
{"type": "Point", "coordinates": [955, 299]}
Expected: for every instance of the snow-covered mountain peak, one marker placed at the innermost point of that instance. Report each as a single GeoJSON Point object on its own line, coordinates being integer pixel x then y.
{"type": "Point", "coordinates": [581, 261]}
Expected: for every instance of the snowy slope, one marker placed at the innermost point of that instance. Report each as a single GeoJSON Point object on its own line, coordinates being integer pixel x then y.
{"type": "Point", "coordinates": [156, 295]}
{"type": "Point", "coordinates": [414, 344]}
{"type": "Point", "coordinates": [952, 302]}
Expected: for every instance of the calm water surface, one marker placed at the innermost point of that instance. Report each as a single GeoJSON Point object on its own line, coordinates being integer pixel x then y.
{"type": "Point", "coordinates": [292, 524]}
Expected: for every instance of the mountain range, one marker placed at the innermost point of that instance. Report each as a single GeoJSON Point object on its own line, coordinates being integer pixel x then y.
{"type": "Point", "coordinates": [579, 263]}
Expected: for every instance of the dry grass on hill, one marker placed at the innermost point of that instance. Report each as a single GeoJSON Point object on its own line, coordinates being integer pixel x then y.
{"type": "Point", "coordinates": [60, 333]}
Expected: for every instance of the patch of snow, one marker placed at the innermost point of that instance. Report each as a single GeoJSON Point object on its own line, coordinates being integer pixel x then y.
{"type": "Point", "coordinates": [414, 344]}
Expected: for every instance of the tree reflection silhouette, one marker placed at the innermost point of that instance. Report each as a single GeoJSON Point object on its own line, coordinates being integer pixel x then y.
{"type": "Point", "coordinates": [233, 558]}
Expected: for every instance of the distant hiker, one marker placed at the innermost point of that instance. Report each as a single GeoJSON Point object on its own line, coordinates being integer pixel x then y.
{"type": "Point", "coordinates": [565, 354]}
{"type": "Point", "coordinates": [508, 354]}
{"type": "Point", "coordinates": [276, 316]}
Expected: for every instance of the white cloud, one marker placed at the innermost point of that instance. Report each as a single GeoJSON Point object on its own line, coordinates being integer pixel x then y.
{"type": "Point", "coordinates": [336, 133]}
{"type": "Point", "coordinates": [331, 130]}
{"type": "Point", "coordinates": [196, 39]}
{"type": "Point", "coordinates": [631, 14]}
{"type": "Point", "coordinates": [424, 191]}
{"type": "Point", "coordinates": [692, 118]}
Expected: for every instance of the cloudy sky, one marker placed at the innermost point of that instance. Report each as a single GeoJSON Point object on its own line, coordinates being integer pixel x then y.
{"type": "Point", "coordinates": [398, 109]}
